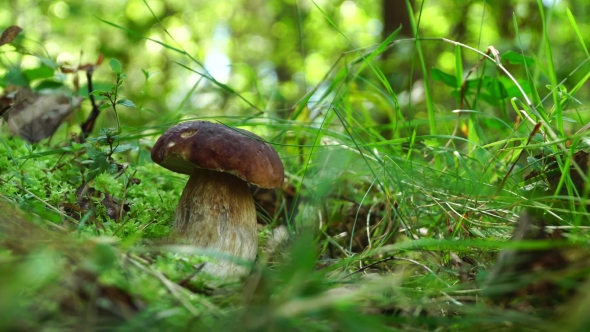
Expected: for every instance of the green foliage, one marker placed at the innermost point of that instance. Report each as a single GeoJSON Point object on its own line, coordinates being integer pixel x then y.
{"type": "Point", "coordinates": [402, 183]}
{"type": "Point", "coordinates": [439, 75]}
{"type": "Point", "coordinates": [517, 58]}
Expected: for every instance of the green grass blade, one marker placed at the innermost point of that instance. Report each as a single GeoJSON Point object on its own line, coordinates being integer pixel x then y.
{"type": "Point", "coordinates": [427, 91]}
{"type": "Point", "coordinates": [577, 31]}
{"type": "Point", "coordinates": [536, 99]}
{"type": "Point", "coordinates": [225, 87]}
{"type": "Point", "coordinates": [551, 68]}
{"type": "Point", "coordinates": [458, 69]}
{"type": "Point", "coordinates": [129, 31]}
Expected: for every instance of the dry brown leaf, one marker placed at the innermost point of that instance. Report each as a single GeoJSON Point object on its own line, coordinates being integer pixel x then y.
{"type": "Point", "coordinates": [9, 34]}
{"type": "Point", "coordinates": [111, 203]}
{"type": "Point", "coordinates": [34, 117]}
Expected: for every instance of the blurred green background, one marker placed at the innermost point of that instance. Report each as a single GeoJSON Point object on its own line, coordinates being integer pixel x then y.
{"type": "Point", "coordinates": [273, 52]}
{"type": "Point", "coordinates": [373, 151]}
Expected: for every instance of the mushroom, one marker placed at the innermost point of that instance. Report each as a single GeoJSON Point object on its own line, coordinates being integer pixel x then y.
{"type": "Point", "coordinates": [216, 210]}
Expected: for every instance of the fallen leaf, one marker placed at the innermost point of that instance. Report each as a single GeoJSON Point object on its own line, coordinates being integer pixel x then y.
{"type": "Point", "coordinates": [111, 203]}
{"type": "Point", "coordinates": [9, 34]}
{"type": "Point", "coordinates": [7, 99]}
{"type": "Point", "coordinates": [34, 117]}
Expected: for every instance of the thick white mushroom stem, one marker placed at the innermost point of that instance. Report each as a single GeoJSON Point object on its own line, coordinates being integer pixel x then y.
{"type": "Point", "coordinates": [216, 212]}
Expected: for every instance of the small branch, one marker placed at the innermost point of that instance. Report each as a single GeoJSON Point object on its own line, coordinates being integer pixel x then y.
{"type": "Point", "coordinates": [88, 125]}
{"type": "Point", "coordinates": [174, 289]}
{"type": "Point", "coordinates": [391, 258]}
{"type": "Point", "coordinates": [532, 134]}
{"type": "Point", "coordinates": [52, 224]}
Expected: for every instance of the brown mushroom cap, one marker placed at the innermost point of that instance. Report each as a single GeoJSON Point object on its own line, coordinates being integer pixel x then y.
{"type": "Point", "coordinates": [202, 144]}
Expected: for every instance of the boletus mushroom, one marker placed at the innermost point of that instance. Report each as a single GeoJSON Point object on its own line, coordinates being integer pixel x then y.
{"type": "Point", "coordinates": [216, 209]}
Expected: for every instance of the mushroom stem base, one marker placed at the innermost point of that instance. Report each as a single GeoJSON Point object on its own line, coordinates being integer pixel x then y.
{"type": "Point", "coordinates": [216, 212]}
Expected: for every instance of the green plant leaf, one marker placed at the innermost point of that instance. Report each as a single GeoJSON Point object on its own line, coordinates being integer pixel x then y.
{"type": "Point", "coordinates": [38, 73]}
{"type": "Point", "coordinates": [439, 75]}
{"type": "Point", "coordinates": [126, 102]}
{"type": "Point", "coordinates": [534, 163]}
{"type": "Point", "coordinates": [123, 148]}
{"type": "Point", "coordinates": [48, 85]}
{"type": "Point", "coordinates": [99, 164]}
{"type": "Point", "coordinates": [577, 30]}
{"type": "Point", "coordinates": [102, 257]}
{"type": "Point", "coordinates": [115, 66]}
{"type": "Point", "coordinates": [497, 89]}
{"type": "Point", "coordinates": [570, 120]}
{"type": "Point", "coordinates": [15, 76]}
{"type": "Point", "coordinates": [102, 86]}
{"type": "Point", "coordinates": [511, 88]}
{"type": "Point", "coordinates": [515, 58]}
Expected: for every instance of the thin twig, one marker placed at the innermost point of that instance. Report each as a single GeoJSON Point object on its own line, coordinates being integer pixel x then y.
{"type": "Point", "coordinates": [501, 185]}
{"type": "Point", "coordinates": [49, 206]}
{"type": "Point", "coordinates": [122, 205]}
{"type": "Point", "coordinates": [392, 258]}
{"type": "Point", "coordinates": [174, 289]}
{"type": "Point", "coordinates": [148, 224]}
{"type": "Point", "coordinates": [88, 125]}
{"type": "Point", "coordinates": [462, 98]}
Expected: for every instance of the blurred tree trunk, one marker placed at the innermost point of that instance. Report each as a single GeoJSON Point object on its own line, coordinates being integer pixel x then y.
{"type": "Point", "coordinates": [395, 13]}
{"type": "Point", "coordinates": [503, 16]}
{"type": "Point", "coordinates": [285, 45]}
{"type": "Point", "coordinates": [460, 29]}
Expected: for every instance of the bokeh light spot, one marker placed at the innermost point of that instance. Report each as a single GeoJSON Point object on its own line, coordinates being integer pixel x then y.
{"type": "Point", "coordinates": [61, 9]}
{"type": "Point", "coordinates": [348, 9]}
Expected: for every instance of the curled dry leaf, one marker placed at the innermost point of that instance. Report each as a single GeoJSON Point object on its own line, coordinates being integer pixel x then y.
{"type": "Point", "coordinates": [9, 34]}
{"type": "Point", "coordinates": [111, 203]}
{"type": "Point", "coordinates": [34, 117]}
{"type": "Point", "coordinates": [7, 99]}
